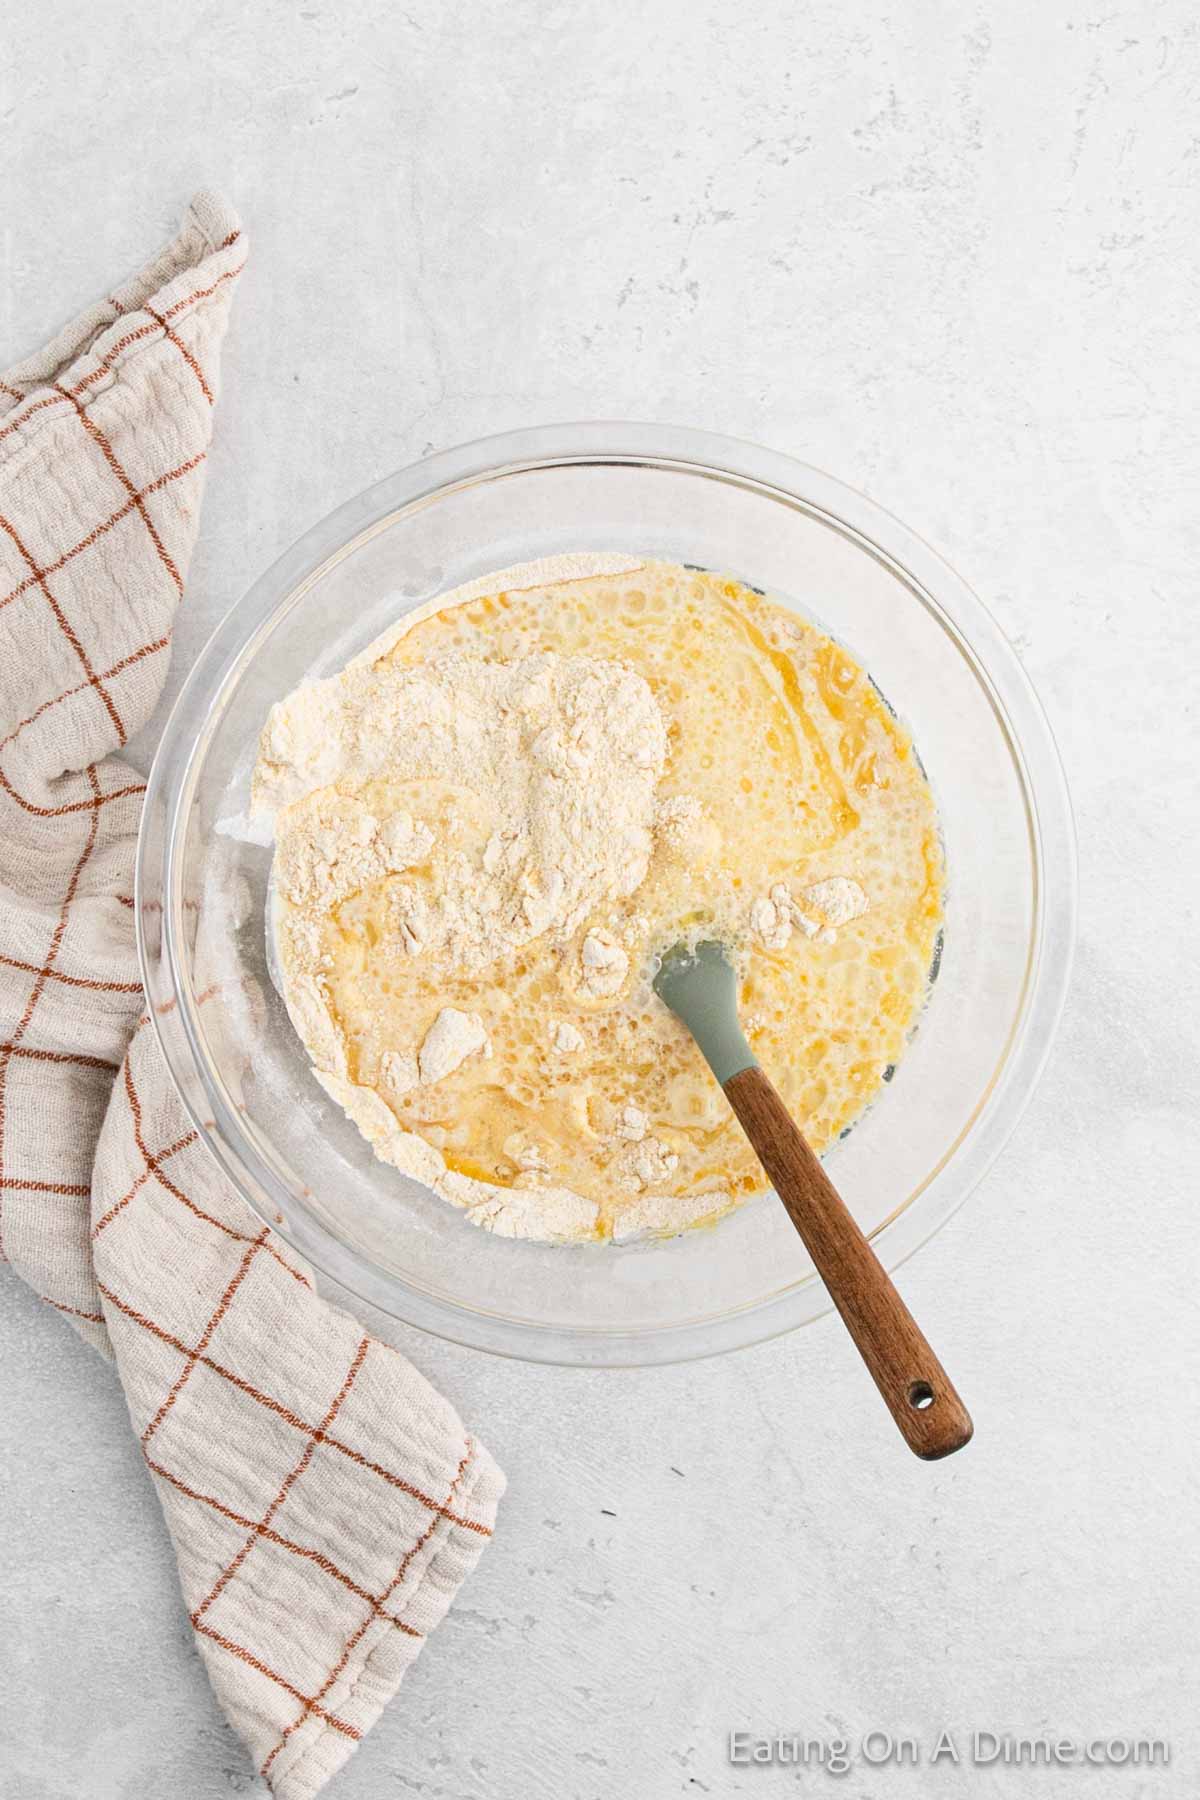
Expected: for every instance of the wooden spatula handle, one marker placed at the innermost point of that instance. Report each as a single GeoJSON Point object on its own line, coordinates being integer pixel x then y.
{"type": "Point", "coordinates": [920, 1396]}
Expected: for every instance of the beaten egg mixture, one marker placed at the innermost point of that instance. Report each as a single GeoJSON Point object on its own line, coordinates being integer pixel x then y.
{"type": "Point", "coordinates": [491, 825]}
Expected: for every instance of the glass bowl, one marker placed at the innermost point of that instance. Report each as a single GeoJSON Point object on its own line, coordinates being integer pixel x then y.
{"type": "Point", "coordinates": [686, 496]}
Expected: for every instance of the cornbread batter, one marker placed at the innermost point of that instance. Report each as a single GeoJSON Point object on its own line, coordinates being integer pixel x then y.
{"type": "Point", "coordinates": [489, 825]}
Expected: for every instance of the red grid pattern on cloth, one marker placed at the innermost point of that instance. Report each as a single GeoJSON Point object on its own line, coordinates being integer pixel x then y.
{"type": "Point", "coordinates": [324, 1501]}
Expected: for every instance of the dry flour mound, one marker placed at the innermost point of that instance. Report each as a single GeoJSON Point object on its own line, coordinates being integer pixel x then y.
{"type": "Point", "coordinates": [520, 799]}
{"type": "Point", "coordinates": [548, 765]}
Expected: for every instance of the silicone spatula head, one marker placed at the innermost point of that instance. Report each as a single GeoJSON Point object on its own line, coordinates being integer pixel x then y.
{"type": "Point", "coordinates": [700, 987]}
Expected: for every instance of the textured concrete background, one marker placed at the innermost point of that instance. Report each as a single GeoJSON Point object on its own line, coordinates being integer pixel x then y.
{"type": "Point", "coordinates": [949, 252]}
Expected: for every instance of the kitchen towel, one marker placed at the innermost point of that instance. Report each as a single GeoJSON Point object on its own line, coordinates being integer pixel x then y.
{"type": "Point", "coordinates": [324, 1502]}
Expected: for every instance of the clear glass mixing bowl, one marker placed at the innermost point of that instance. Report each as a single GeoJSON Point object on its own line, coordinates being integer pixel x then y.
{"type": "Point", "coordinates": [689, 497]}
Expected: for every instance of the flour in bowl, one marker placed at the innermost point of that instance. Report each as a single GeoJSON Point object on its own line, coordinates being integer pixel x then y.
{"type": "Point", "coordinates": [494, 819]}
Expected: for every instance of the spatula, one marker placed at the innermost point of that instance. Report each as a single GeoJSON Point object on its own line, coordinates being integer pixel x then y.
{"type": "Point", "coordinates": [700, 987]}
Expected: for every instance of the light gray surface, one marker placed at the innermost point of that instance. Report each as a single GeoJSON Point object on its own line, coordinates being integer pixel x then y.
{"type": "Point", "coordinates": [949, 253]}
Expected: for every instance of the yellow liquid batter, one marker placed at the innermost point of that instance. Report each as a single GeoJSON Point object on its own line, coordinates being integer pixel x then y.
{"type": "Point", "coordinates": [803, 775]}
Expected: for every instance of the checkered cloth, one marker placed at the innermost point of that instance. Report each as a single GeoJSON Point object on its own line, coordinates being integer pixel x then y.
{"type": "Point", "coordinates": [324, 1502]}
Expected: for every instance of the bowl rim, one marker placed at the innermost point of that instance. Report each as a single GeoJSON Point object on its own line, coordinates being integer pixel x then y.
{"type": "Point", "coordinates": [345, 530]}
